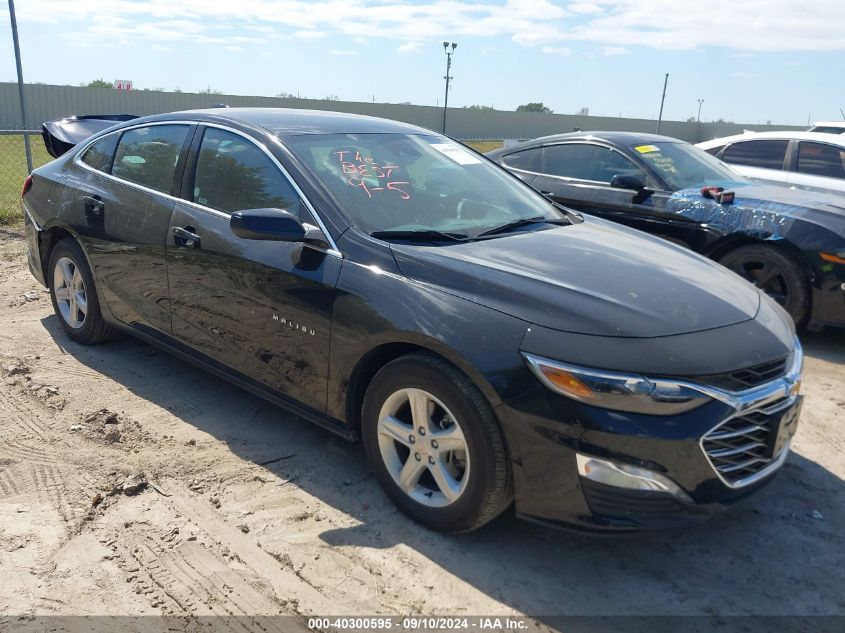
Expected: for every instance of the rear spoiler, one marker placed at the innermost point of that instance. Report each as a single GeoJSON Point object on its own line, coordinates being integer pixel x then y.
{"type": "Point", "coordinates": [63, 134]}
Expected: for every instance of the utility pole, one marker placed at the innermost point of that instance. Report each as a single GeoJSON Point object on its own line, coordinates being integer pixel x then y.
{"type": "Point", "coordinates": [698, 118]}
{"type": "Point", "coordinates": [662, 99]}
{"type": "Point", "coordinates": [20, 85]}
{"type": "Point", "coordinates": [448, 77]}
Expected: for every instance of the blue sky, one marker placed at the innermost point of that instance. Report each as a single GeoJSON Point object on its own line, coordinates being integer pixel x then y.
{"type": "Point", "coordinates": [750, 60]}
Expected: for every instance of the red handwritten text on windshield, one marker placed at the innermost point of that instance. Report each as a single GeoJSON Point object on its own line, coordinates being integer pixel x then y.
{"type": "Point", "coordinates": [364, 172]}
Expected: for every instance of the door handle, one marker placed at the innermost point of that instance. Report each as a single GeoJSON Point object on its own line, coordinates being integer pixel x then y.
{"type": "Point", "coordinates": [186, 237]}
{"type": "Point", "coordinates": [93, 205]}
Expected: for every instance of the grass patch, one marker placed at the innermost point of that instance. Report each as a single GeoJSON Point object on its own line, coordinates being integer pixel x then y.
{"type": "Point", "coordinates": [484, 146]}
{"type": "Point", "coordinates": [13, 172]}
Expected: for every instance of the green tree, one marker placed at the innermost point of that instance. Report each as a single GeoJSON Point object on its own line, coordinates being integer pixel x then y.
{"type": "Point", "coordinates": [534, 107]}
{"type": "Point", "coordinates": [98, 83]}
{"type": "Point", "coordinates": [479, 107]}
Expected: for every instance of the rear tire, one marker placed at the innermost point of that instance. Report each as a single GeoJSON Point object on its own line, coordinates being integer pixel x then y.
{"type": "Point", "coordinates": [74, 295]}
{"type": "Point", "coordinates": [776, 273]}
{"type": "Point", "coordinates": [435, 445]}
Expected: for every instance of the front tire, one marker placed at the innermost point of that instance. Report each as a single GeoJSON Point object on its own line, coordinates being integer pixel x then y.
{"type": "Point", "coordinates": [74, 296]}
{"type": "Point", "coordinates": [776, 273]}
{"type": "Point", "coordinates": [435, 445]}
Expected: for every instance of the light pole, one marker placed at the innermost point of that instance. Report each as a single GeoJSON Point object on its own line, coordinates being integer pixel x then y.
{"type": "Point", "coordinates": [448, 77]}
{"type": "Point", "coordinates": [698, 118]}
{"type": "Point", "coordinates": [662, 99]}
{"type": "Point", "coordinates": [20, 84]}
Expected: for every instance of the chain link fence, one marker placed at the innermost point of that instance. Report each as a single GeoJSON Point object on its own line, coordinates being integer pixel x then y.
{"type": "Point", "coordinates": [13, 170]}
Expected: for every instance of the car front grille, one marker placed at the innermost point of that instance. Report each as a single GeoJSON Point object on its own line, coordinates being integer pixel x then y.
{"type": "Point", "coordinates": [740, 447]}
{"type": "Point", "coordinates": [746, 378]}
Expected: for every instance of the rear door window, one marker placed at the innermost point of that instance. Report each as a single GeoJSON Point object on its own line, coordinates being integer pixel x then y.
{"type": "Point", "coordinates": [148, 155]}
{"type": "Point", "coordinates": [584, 161]}
{"type": "Point", "coordinates": [100, 154]}
{"type": "Point", "coordinates": [528, 160]}
{"type": "Point", "coordinates": [765, 154]}
{"type": "Point", "coordinates": [820, 159]}
{"type": "Point", "coordinates": [233, 174]}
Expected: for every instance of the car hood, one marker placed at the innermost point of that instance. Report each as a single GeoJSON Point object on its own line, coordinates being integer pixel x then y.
{"type": "Point", "coordinates": [768, 210]}
{"type": "Point", "coordinates": [589, 278]}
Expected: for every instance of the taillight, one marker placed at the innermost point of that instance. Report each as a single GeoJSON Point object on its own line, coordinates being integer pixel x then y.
{"type": "Point", "coordinates": [27, 185]}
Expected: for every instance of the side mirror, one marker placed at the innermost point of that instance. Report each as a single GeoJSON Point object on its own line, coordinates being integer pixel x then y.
{"type": "Point", "coordinates": [628, 181]}
{"type": "Point", "coordinates": [276, 225]}
{"type": "Point", "coordinates": [267, 224]}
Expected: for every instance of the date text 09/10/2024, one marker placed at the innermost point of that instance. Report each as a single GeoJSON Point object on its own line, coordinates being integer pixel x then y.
{"type": "Point", "coordinates": [421, 623]}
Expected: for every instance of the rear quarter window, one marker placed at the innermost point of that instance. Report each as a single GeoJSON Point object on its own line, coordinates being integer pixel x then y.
{"type": "Point", "coordinates": [99, 155]}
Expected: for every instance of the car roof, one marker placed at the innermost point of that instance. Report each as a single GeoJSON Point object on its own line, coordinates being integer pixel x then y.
{"type": "Point", "coordinates": [617, 138]}
{"type": "Point", "coordinates": [290, 121]}
{"type": "Point", "coordinates": [834, 139]}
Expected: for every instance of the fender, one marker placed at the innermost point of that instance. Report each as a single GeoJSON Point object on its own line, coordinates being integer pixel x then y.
{"type": "Point", "coordinates": [726, 244]}
{"type": "Point", "coordinates": [378, 317]}
{"type": "Point", "coordinates": [46, 241]}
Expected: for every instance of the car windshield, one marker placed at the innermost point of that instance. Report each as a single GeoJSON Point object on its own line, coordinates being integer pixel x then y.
{"type": "Point", "coordinates": [413, 184]}
{"type": "Point", "coordinates": [683, 166]}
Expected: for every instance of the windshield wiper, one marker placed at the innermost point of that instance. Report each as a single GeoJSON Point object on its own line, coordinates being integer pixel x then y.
{"type": "Point", "coordinates": [507, 226]}
{"type": "Point", "coordinates": [422, 235]}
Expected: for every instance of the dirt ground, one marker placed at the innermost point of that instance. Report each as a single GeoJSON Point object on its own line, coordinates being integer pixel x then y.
{"type": "Point", "coordinates": [248, 509]}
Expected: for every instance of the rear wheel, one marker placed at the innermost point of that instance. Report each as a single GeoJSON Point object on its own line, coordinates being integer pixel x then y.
{"type": "Point", "coordinates": [74, 296]}
{"type": "Point", "coordinates": [776, 273]}
{"type": "Point", "coordinates": [435, 444]}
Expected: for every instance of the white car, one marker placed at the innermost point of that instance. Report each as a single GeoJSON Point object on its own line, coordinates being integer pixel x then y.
{"type": "Point", "coordinates": [800, 160]}
{"type": "Point", "coordinates": [828, 127]}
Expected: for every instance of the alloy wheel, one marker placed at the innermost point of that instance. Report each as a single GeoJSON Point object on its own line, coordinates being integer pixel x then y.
{"type": "Point", "coordinates": [423, 447]}
{"type": "Point", "coordinates": [767, 276]}
{"type": "Point", "coordinates": [69, 289]}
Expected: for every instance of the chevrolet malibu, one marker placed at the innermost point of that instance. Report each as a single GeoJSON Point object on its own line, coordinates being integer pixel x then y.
{"type": "Point", "coordinates": [486, 345]}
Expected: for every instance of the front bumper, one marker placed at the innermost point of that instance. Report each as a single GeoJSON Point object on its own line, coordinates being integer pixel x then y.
{"type": "Point", "coordinates": [700, 452]}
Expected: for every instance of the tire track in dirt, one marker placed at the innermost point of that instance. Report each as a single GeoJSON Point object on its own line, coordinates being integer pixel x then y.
{"type": "Point", "coordinates": [50, 492]}
{"type": "Point", "coordinates": [26, 413]}
{"type": "Point", "coordinates": [26, 452]}
{"type": "Point", "coordinates": [286, 582]}
{"type": "Point", "coordinates": [23, 433]}
{"type": "Point", "coordinates": [8, 480]}
{"type": "Point", "coordinates": [67, 495]}
{"type": "Point", "coordinates": [183, 576]}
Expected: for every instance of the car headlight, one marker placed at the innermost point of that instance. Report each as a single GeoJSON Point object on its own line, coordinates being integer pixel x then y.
{"type": "Point", "coordinates": [621, 392]}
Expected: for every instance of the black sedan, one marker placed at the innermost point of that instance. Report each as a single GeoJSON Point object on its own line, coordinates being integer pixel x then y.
{"type": "Point", "coordinates": [390, 285]}
{"type": "Point", "coordinates": [789, 243]}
